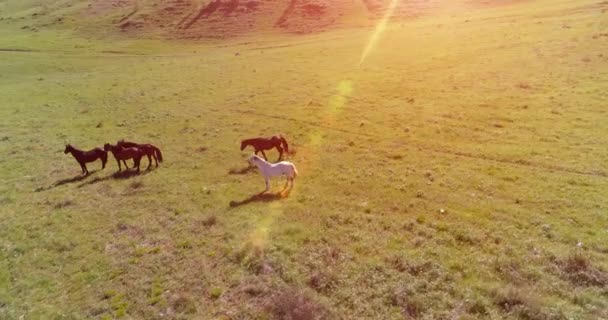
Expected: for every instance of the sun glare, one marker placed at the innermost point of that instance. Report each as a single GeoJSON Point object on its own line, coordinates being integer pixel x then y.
{"type": "Point", "coordinates": [380, 27]}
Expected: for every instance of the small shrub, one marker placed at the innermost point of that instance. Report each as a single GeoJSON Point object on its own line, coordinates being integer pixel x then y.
{"type": "Point", "coordinates": [251, 256]}
{"type": "Point", "coordinates": [524, 85]}
{"type": "Point", "coordinates": [418, 241]}
{"type": "Point", "coordinates": [292, 304]}
{"type": "Point", "coordinates": [216, 292]}
{"type": "Point", "coordinates": [508, 299]}
{"type": "Point", "coordinates": [477, 306]}
{"type": "Point", "coordinates": [119, 305]}
{"type": "Point", "coordinates": [210, 221]}
{"type": "Point", "coordinates": [63, 204]}
{"type": "Point", "coordinates": [136, 185]}
{"type": "Point", "coordinates": [183, 304]}
{"type": "Point", "coordinates": [156, 291]}
{"type": "Point", "coordinates": [323, 280]}
{"type": "Point", "coordinates": [399, 263]}
{"type": "Point", "coordinates": [411, 306]}
{"type": "Point", "coordinates": [579, 270]}
{"type": "Point", "coordinates": [108, 294]}
{"type": "Point", "coordinates": [464, 238]}
{"type": "Point", "coordinates": [253, 290]}
{"type": "Point", "coordinates": [185, 245]}
{"type": "Point", "coordinates": [510, 271]}
{"type": "Point", "coordinates": [523, 304]}
{"type": "Point", "coordinates": [416, 269]}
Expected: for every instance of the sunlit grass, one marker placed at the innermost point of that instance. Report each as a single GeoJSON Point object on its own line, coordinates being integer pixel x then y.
{"type": "Point", "coordinates": [464, 177]}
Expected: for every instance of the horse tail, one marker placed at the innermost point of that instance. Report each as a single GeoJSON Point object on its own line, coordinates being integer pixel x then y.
{"type": "Point", "coordinates": [159, 155]}
{"type": "Point", "coordinates": [104, 158]}
{"type": "Point", "coordinates": [284, 143]}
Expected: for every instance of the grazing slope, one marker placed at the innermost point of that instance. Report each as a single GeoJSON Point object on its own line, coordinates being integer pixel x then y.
{"type": "Point", "coordinates": [193, 19]}
{"type": "Point", "coordinates": [457, 171]}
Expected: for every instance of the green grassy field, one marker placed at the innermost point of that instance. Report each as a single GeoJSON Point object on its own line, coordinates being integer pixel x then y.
{"type": "Point", "coordinates": [459, 172]}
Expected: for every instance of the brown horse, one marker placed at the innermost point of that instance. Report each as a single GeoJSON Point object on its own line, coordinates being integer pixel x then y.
{"type": "Point", "coordinates": [149, 150]}
{"type": "Point", "coordinates": [125, 154]}
{"type": "Point", "coordinates": [87, 156]}
{"type": "Point", "coordinates": [261, 144]}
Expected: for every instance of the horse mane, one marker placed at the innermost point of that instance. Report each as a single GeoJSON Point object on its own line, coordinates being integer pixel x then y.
{"type": "Point", "coordinates": [248, 141]}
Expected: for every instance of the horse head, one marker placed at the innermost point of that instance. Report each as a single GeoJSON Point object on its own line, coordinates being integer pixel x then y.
{"type": "Point", "coordinates": [107, 147]}
{"type": "Point", "coordinates": [68, 148]}
{"type": "Point", "coordinates": [253, 158]}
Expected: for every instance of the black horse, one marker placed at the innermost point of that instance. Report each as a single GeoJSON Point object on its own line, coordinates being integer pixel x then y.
{"type": "Point", "coordinates": [123, 153]}
{"type": "Point", "coordinates": [261, 144]}
{"type": "Point", "coordinates": [87, 156]}
{"type": "Point", "coordinates": [151, 151]}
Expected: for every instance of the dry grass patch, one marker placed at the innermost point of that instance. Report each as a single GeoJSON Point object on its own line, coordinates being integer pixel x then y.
{"type": "Point", "coordinates": [578, 269]}
{"type": "Point", "coordinates": [295, 304]}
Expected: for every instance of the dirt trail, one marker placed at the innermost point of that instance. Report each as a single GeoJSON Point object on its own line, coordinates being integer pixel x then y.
{"type": "Point", "coordinates": [133, 12]}
{"type": "Point", "coordinates": [205, 11]}
{"type": "Point", "coordinates": [285, 15]}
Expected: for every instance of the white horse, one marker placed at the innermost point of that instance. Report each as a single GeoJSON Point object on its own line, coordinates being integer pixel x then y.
{"type": "Point", "coordinates": [269, 170]}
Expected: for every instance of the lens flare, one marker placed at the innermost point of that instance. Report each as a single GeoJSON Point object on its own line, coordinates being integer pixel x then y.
{"type": "Point", "coordinates": [259, 236]}
{"type": "Point", "coordinates": [380, 27]}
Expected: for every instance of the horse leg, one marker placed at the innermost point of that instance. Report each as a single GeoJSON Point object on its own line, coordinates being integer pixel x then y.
{"type": "Point", "coordinates": [126, 166]}
{"type": "Point", "coordinates": [280, 150]}
{"type": "Point", "coordinates": [267, 185]}
{"type": "Point", "coordinates": [119, 168]}
{"type": "Point", "coordinates": [264, 155]}
{"type": "Point", "coordinates": [81, 166]}
{"type": "Point", "coordinates": [149, 161]}
{"type": "Point", "coordinates": [84, 168]}
{"type": "Point", "coordinates": [292, 183]}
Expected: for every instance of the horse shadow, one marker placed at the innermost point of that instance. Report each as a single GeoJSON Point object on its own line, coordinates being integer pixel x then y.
{"type": "Point", "coordinates": [244, 170]}
{"type": "Point", "coordinates": [260, 197]}
{"type": "Point", "coordinates": [126, 174]}
{"type": "Point", "coordinates": [77, 178]}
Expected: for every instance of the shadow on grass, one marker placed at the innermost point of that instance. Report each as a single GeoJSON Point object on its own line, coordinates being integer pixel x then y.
{"type": "Point", "coordinates": [126, 174]}
{"type": "Point", "coordinates": [244, 170]}
{"type": "Point", "coordinates": [61, 182]}
{"type": "Point", "coordinates": [261, 197]}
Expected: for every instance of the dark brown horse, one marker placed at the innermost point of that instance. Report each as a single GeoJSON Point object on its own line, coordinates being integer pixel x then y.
{"type": "Point", "coordinates": [261, 144]}
{"type": "Point", "coordinates": [149, 150]}
{"type": "Point", "coordinates": [125, 154]}
{"type": "Point", "coordinates": [87, 156]}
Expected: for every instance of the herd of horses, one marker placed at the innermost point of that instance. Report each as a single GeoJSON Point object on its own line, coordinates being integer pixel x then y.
{"type": "Point", "coordinates": [124, 150]}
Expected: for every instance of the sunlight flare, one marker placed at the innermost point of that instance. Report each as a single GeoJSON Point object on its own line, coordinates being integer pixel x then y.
{"type": "Point", "coordinates": [259, 236]}
{"type": "Point", "coordinates": [380, 27]}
